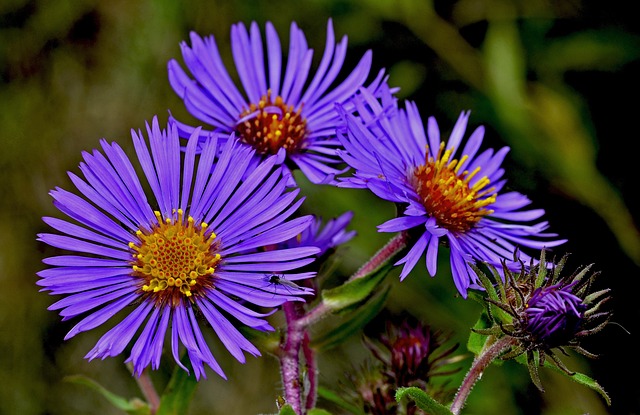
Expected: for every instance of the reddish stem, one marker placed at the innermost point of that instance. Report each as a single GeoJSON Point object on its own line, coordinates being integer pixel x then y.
{"type": "Point", "coordinates": [480, 363]}
{"type": "Point", "coordinates": [149, 391]}
{"type": "Point", "coordinates": [392, 248]}
{"type": "Point", "coordinates": [290, 359]}
{"type": "Point", "coordinates": [312, 372]}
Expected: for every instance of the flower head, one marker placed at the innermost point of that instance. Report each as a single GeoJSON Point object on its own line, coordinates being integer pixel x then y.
{"type": "Point", "coordinates": [542, 310]}
{"type": "Point", "coordinates": [449, 190]}
{"type": "Point", "coordinates": [194, 248]}
{"type": "Point", "coordinates": [282, 108]}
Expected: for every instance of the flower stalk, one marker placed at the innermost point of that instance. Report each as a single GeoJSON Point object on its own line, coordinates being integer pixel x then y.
{"type": "Point", "coordinates": [388, 251]}
{"type": "Point", "coordinates": [297, 337]}
{"type": "Point", "coordinates": [290, 358]}
{"type": "Point", "coordinates": [312, 372]}
{"type": "Point", "coordinates": [148, 390]}
{"type": "Point", "coordinates": [480, 363]}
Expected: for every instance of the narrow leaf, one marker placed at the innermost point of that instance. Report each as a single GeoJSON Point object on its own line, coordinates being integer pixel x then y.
{"type": "Point", "coordinates": [355, 291]}
{"type": "Point", "coordinates": [476, 341]}
{"type": "Point", "coordinates": [422, 400]}
{"type": "Point", "coordinates": [337, 400]}
{"type": "Point", "coordinates": [318, 411]}
{"type": "Point", "coordinates": [352, 323]}
{"type": "Point", "coordinates": [576, 377]}
{"type": "Point", "coordinates": [134, 406]}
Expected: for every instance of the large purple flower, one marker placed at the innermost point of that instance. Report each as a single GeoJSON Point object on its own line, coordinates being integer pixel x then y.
{"type": "Point", "coordinates": [450, 191]}
{"type": "Point", "coordinates": [193, 249]}
{"type": "Point", "coordinates": [282, 108]}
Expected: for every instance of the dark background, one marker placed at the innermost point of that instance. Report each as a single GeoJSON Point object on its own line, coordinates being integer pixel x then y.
{"type": "Point", "coordinates": [556, 81]}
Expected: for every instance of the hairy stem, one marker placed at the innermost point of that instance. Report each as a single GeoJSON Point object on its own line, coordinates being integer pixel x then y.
{"type": "Point", "coordinates": [313, 316]}
{"type": "Point", "coordinates": [312, 372]}
{"type": "Point", "coordinates": [391, 249]}
{"type": "Point", "coordinates": [480, 363]}
{"type": "Point", "coordinates": [290, 358]}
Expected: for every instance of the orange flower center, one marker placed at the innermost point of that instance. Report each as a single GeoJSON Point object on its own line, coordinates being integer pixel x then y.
{"type": "Point", "coordinates": [270, 125]}
{"type": "Point", "coordinates": [447, 194]}
{"type": "Point", "coordinates": [175, 260]}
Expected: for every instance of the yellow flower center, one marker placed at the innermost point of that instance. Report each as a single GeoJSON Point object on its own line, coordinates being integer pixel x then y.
{"type": "Point", "coordinates": [447, 194]}
{"type": "Point", "coordinates": [175, 260]}
{"type": "Point", "coordinates": [270, 125]}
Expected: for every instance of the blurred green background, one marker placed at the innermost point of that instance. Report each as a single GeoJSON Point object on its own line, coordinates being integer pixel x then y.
{"type": "Point", "coordinates": [556, 81]}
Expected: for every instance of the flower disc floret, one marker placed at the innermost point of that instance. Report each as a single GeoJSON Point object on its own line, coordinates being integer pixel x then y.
{"type": "Point", "coordinates": [175, 260]}
{"type": "Point", "coordinates": [447, 194]}
{"type": "Point", "coordinates": [270, 125]}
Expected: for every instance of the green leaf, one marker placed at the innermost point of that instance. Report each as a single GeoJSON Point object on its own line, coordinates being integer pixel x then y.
{"type": "Point", "coordinates": [337, 400]}
{"type": "Point", "coordinates": [318, 411]}
{"type": "Point", "coordinates": [352, 323]}
{"type": "Point", "coordinates": [576, 377]}
{"type": "Point", "coordinates": [422, 400]}
{"type": "Point", "coordinates": [486, 283]}
{"type": "Point", "coordinates": [476, 341]}
{"type": "Point", "coordinates": [356, 291]}
{"type": "Point", "coordinates": [589, 382]}
{"type": "Point", "coordinates": [133, 406]}
{"type": "Point", "coordinates": [177, 395]}
{"type": "Point", "coordinates": [287, 410]}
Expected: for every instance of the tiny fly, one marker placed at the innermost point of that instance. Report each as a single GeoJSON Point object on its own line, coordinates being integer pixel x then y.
{"type": "Point", "coordinates": [275, 280]}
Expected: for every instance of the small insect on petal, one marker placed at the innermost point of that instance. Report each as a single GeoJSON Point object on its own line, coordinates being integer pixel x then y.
{"type": "Point", "coordinates": [275, 280]}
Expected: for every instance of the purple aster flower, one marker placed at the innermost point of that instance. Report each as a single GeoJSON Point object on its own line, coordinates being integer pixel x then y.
{"type": "Point", "coordinates": [449, 190]}
{"type": "Point", "coordinates": [282, 108]}
{"type": "Point", "coordinates": [192, 249]}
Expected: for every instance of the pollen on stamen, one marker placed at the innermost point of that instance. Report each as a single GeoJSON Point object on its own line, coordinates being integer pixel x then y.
{"type": "Point", "coordinates": [175, 260]}
{"type": "Point", "coordinates": [447, 194]}
{"type": "Point", "coordinates": [271, 125]}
